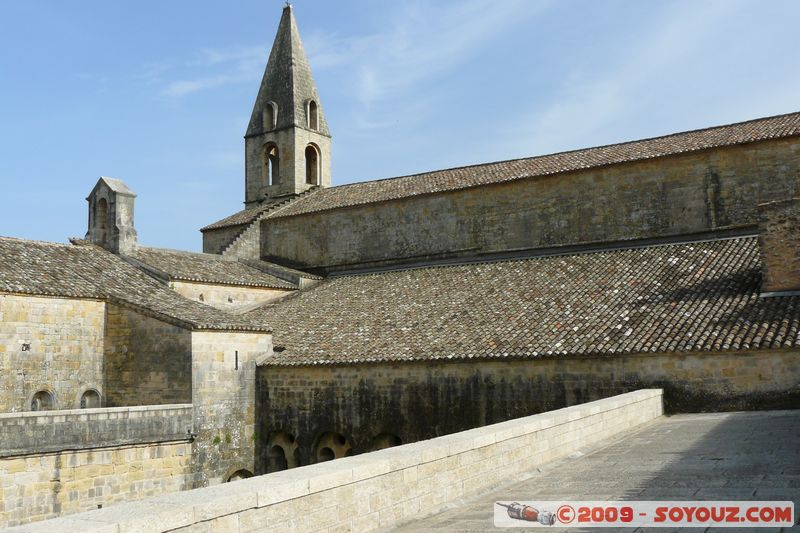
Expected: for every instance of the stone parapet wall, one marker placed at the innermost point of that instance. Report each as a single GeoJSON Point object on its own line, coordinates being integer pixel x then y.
{"type": "Point", "coordinates": [716, 189]}
{"type": "Point", "coordinates": [49, 431]}
{"type": "Point", "coordinates": [63, 462]}
{"type": "Point", "coordinates": [49, 344]}
{"type": "Point", "coordinates": [383, 489]}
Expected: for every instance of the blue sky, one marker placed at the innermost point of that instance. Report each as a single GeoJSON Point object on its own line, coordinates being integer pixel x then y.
{"type": "Point", "coordinates": [158, 94]}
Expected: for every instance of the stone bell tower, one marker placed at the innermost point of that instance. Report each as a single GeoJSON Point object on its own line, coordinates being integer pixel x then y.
{"type": "Point", "coordinates": [111, 216]}
{"type": "Point", "coordinates": [287, 145]}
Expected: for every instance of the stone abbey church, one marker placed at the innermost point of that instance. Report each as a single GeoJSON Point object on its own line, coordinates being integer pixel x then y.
{"type": "Point", "coordinates": [322, 321]}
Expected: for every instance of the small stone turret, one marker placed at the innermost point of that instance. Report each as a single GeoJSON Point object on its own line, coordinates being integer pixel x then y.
{"type": "Point", "coordinates": [111, 216]}
{"type": "Point", "coordinates": [287, 144]}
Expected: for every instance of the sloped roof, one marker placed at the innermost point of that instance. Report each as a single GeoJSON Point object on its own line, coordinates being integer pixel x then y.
{"type": "Point", "coordinates": [245, 216]}
{"type": "Point", "coordinates": [115, 185]}
{"type": "Point", "coordinates": [50, 269]}
{"type": "Point", "coordinates": [698, 296]}
{"type": "Point", "coordinates": [287, 81]}
{"type": "Point", "coordinates": [498, 172]}
{"type": "Point", "coordinates": [207, 268]}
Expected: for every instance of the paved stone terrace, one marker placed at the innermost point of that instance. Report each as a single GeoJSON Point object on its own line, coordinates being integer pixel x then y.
{"type": "Point", "coordinates": [715, 456]}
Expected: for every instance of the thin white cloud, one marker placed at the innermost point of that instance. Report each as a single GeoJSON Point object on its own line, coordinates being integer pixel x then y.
{"type": "Point", "coordinates": [213, 68]}
{"type": "Point", "coordinates": [422, 42]}
{"type": "Point", "coordinates": [587, 106]}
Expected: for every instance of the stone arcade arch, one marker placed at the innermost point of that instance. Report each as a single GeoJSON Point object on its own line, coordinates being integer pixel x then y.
{"type": "Point", "coordinates": [241, 473]}
{"type": "Point", "coordinates": [385, 440]}
{"type": "Point", "coordinates": [331, 445]}
{"type": "Point", "coordinates": [283, 451]}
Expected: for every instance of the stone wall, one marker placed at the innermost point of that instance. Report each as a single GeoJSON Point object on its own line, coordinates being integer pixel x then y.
{"type": "Point", "coordinates": [780, 245]}
{"type": "Point", "coordinates": [148, 362]}
{"type": "Point", "coordinates": [49, 344]}
{"type": "Point", "coordinates": [43, 432]}
{"type": "Point", "coordinates": [223, 395]}
{"type": "Point", "coordinates": [415, 401]}
{"type": "Point", "coordinates": [215, 240]}
{"type": "Point", "coordinates": [70, 461]}
{"type": "Point", "coordinates": [384, 489]}
{"type": "Point", "coordinates": [715, 189]}
{"type": "Point", "coordinates": [226, 297]}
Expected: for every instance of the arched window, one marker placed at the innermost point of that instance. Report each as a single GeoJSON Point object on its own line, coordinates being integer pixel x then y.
{"type": "Point", "coordinates": [313, 121]}
{"type": "Point", "coordinates": [312, 165]}
{"type": "Point", "coordinates": [42, 401]}
{"type": "Point", "coordinates": [270, 116]}
{"type": "Point", "coordinates": [270, 164]}
{"type": "Point", "coordinates": [101, 221]}
{"type": "Point", "coordinates": [90, 399]}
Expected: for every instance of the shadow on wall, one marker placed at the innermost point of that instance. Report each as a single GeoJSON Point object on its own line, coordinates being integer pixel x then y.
{"type": "Point", "coordinates": [735, 456]}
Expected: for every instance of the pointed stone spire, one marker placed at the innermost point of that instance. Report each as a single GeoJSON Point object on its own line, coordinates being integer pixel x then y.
{"type": "Point", "coordinates": [287, 82]}
{"type": "Point", "coordinates": [287, 144]}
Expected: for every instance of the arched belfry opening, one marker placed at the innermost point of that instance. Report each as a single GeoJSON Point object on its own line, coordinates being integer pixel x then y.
{"type": "Point", "coordinates": [312, 165]}
{"type": "Point", "coordinates": [270, 162]}
{"type": "Point", "coordinates": [313, 120]}
{"type": "Point", "coordinates": [102, 221]}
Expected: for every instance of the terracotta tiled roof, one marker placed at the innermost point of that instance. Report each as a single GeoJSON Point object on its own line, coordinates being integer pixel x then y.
{"type": "Point", "coordinates": [207, 268]}
{"type": "Point", "coordinates": [472, 176]}
{"type": "Point", "coordinates": [50, 269]}
{"type": "Point", "coordinates": [701, 296]}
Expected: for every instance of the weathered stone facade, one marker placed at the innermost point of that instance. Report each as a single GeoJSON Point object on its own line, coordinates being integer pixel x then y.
{"type": "Point", "coordinates": [223, 395]}
{"type": "Point", "coordinates": [51, 345]}
{"type": "Point", "coordinates": [780, 245]}
{"type": "Point", "coordinates": [226, 297]}
{"type": "Point", "coordinates": [417, 401]}
{"type": "Point", "coordinates": [712, 190]}
{"type": "Point", "coordinates": [147, 361]}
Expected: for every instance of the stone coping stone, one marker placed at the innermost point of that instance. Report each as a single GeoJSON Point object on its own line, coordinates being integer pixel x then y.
{"type": "Point", "coordinates": [176, 510]}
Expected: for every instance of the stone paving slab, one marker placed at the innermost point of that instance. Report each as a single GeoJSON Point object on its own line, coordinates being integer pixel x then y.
{"type": "Point", "coordinates": [714, 456]}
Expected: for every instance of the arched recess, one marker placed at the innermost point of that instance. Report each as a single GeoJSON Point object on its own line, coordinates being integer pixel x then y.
{"type": "Point", "coordinates": [101, 220]}
{"type": "Point", "coordinates": [90, 399]}
{"type": "Point", "coordinates": [312, 115]}
{"type": "Point", "coordinates": [282, 451]}
{"type": "Point", "coordinates": [270, 118]}
{"type": "Point", "coordinates": [312, 164]}
{"type": "Point", "coordinates": [241, 473]}
{"type": "Point", "coordinates": [43, 400]}
{"type": "Point", "coordinates": [269, 163]}
{"type": "Point", "coordinates": [385, 440]}
{"type": "Point", "coordinates": [332, 445]}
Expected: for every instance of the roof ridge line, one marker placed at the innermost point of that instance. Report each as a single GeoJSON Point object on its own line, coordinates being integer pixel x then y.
{"type": "Point", "coordinates": [574, 150]}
